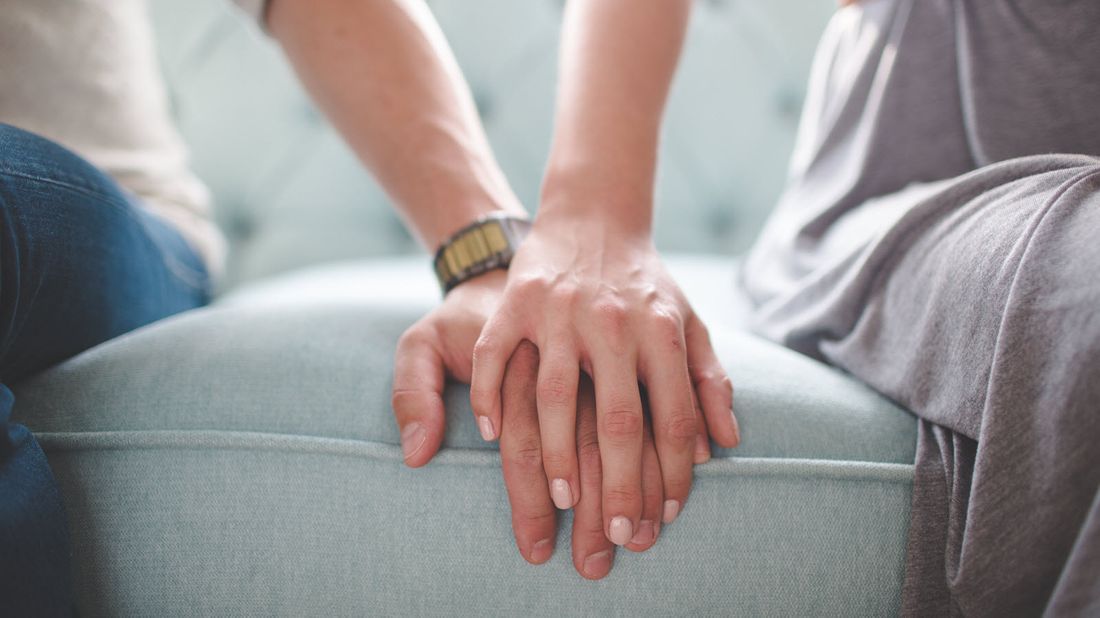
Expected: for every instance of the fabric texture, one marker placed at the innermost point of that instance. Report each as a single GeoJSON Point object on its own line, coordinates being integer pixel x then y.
{"type": "Point", "coordinates": [931, 245]}
{"type": "Point", "coordinates": [79, 264]}
{"type": "Point", "coordinates": [243, 458]}
{"type": "Point", "coordinates": [84, 74]}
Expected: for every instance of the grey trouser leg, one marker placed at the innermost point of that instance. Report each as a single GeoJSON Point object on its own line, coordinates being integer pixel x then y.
{"type": "Point", "coordinates": [980, 311]}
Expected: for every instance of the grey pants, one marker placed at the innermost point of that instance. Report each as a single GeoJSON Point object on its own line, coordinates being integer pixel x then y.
{"type": "Point", "coordinates": [928, 245]}
{"type": "Point", "coordinates": [981, 313]}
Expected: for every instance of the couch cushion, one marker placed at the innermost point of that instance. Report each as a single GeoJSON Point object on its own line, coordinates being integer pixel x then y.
{"type": "Point", "coordinates": [244, 457]}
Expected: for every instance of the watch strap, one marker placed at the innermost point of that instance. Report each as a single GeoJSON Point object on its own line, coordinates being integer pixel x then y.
{"type": "Point", "coordinates": [486, 244]}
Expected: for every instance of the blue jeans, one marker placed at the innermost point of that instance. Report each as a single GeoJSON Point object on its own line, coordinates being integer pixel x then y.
{"type": "Point", "coordinates": [80, 263]}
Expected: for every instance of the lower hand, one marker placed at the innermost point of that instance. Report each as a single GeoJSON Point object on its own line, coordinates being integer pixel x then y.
{"type": "Point", "coordinates": [438, 346]}
{"type": "Point", "coordinates": [534, 516]}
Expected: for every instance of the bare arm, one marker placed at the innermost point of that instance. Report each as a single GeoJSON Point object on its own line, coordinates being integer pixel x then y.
{"type": "Point", "coordinates": [588, 287]}
{"type": "Point", "coordinates": [383, 73]}
{"type": "Point", "coordinates": [617, 62]}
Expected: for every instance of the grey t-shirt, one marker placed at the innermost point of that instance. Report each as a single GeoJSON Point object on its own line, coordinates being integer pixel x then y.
{"type": "Point", "coordinates": [905, 95]}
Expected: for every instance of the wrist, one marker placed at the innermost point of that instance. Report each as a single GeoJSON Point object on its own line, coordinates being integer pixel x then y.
{"type": "Point", "coordinates": [617, 203]}
{"type": "Point", "coordinates": [464, 212]}
{"type": "Point", "coordinates": [489, 243]}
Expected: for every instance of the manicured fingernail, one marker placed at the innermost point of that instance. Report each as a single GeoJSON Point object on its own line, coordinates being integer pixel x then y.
{"type": "Point", "coordinates": [485, 426]}
{"type": "Point", "coordinates": [621, 530]}
{"type": "Point", "coordinates": [672, 509]}
{"type": "Point", "coordinates": [736, 430]}
{"type": "Point", "coordinates": [645, 534]}
{"type": "Point", "coordinates": [702, 449]}
{"type": "Point", "coordinates": [541, 551]}
{"type": "Point", "coordinates": [597, 565]}
{"type": "Point", "coordinates": [559, 491]}
{"type": "Point", "coordinates": [412, 438]}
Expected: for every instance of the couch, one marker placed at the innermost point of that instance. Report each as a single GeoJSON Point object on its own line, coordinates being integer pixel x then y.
{"type": "Point", "coordinates": [242, 458]}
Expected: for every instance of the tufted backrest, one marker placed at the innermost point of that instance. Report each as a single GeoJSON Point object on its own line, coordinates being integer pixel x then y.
{"type": "Point", "coordinates": [289, 193]}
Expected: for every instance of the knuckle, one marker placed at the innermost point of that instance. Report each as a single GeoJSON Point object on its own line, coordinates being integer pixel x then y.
{"type": "Point", "coordinates": [666, 324]}
{"type": "Point", "coordinates": [621, 423]}
{"type": "Point", "coordinates": [555, 461]}
{"type": "Point", "coordinates": [709, 376]}
{"type": "Point", "coordinates": [526, 289]}
{"type": "Point", "coordinates": [565, 295]}
{"type": "Point", "coordinates": [533, 519]}
{"type": "Point", "coordinates": [588, 455]}
{"type": "Point", "coordinates": [681, 427]}
{"type": "Point", "coordinates": [612, 318]}
{"type": "Point", "coordinates": [413, 336]}
{"type": "Point", "coordinates": [526, 456]}
{"type": "Point", "coordinates": [485, 347]}
{"type": "Point", "coordinates": [555, 390]}
{"type": "Point", "coordinates": [677, 489]}
{"type": "Point", "coordinates": [621, 495]}
{"type": "Point", "coordinates": [482, 399]}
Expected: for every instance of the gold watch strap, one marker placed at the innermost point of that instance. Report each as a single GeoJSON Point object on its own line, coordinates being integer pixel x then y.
{"type": "Point", "coordinates": [487, 243]}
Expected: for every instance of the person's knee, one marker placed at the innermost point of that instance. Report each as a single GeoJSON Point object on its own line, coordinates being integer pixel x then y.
{"type": "Point", "coordinates": [31, 160]}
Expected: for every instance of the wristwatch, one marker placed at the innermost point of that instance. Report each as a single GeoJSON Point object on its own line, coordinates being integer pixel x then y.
{"type": "Point", "coordinates": [487, 243]}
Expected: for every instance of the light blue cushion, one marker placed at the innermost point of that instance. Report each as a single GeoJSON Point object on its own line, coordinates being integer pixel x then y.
{"type": "Point", "coordinates": [243, 459]}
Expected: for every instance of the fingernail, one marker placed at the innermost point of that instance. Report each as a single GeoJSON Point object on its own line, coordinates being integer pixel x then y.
{"type": "Point", "coordinates": [672, 509]}
{"type": "Point", "coordinates": [412, 438]}
{"type": "Point", "coordinates": [736, 430]}
{"type": "Point", "coordinates": [597, 565]}
{"type": "Point", "coordinates": [540, 552]}
{"type": "Point", "coordinates": [559, 491]}
{"type": "Point", "coordinates": [702, 449]}
{"type": "Point", "coordinates": [621, 530]}
{"type": "Point", "coordinates": [485, 426]}
{"type": "Point", "coordinates": [645, 534]}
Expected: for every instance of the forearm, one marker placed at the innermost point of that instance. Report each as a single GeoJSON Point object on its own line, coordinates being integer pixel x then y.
{"type": "Point", "coordinates": [382, 72]}
{"type": "Point", "coordinates": [617, 62]}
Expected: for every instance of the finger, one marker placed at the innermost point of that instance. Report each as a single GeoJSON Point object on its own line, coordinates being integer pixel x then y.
{"type": "Point", "coordinates": [557, 402]}
{"type": "Point", "coordinates": [702, 437]}
{"type": "Point", "coordinates": [619, 427]}
{"type": "Point", "coordinates": [652, 495]}
{"type": "Point", "coordinates": [712, 384]}
{"type": "Point", "coordinates": [417, 396]}
{"type": "Point", "coordinates": [593, 553]}
{"type": "Point", "coordinates": [499, 338]}
{"type": "Point", "coordinates": [534, 520]}
{"type": "Point", "coordinates": [672, 407]}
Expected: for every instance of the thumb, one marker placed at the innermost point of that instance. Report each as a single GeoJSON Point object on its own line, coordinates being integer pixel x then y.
{"type": "Point", "coordinates": [418, 395]}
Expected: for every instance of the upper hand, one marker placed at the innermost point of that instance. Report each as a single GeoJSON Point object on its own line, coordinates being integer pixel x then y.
{"type": "Point", "coordinates": [596, 298]}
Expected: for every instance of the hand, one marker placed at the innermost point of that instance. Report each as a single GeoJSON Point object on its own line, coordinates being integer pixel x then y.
{"type": "Point", "coordinates": [596, 298]}
{"type": "Point", "coordinates": [534, 518]}
{"type": "Point", "coordinates": [438, 345]}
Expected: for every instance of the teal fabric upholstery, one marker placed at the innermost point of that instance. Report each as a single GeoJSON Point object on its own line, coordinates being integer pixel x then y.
{"type": "Point", "coordinates": [243, 459]}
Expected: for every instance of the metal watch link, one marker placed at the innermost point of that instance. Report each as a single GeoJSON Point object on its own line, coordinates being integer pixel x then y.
{"type": "Point", "coordinates": [487, 243]}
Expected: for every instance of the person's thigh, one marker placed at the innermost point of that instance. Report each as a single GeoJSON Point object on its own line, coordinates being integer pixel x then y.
{"type": "Point", "coordinates": [80, 263]}
{"type": "Point", "coordinates": [980, 311]}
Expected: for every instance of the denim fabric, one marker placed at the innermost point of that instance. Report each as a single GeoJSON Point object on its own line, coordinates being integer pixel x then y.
{"type": "Point", "coordinates": [242, 459]}
{"type": "Point", "coordinates": [80, 263]}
